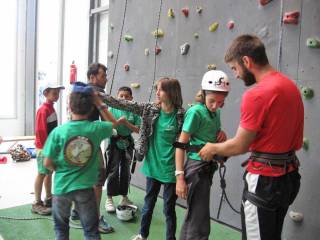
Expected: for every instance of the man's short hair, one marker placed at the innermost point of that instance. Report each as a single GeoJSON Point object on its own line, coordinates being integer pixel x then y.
{"type": "Point", "coordinates": [93, 69]}
{"type": "Point", "coordinates": [247, 45]}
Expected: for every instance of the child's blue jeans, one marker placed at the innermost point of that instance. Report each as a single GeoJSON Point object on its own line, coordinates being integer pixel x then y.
{"type": "Point", "coordinates": [87, 208]}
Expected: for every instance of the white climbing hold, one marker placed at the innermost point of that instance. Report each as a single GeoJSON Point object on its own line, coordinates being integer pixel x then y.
{"type": "Point", "coordinates": [184, 48]}
{"type": "Point", "coordinates": [110, 54]}
{"type": "Point", "coordinates": [146, 51]}
{"type": "Point", "coordinates": [296, 216]}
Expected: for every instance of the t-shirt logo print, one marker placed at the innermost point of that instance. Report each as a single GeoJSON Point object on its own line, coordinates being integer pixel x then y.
{"type": "Point", "coordinates": [78, 151]}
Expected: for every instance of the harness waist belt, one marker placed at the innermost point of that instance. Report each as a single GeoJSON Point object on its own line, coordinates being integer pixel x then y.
{"type": "Point", "coordinates": [275, 159]}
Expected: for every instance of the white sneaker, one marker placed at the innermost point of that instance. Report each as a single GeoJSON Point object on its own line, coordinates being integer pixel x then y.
{"type": "Point", "coordinates": [125, 201]}
{"type": "Point", "coordinates": [109, 206]}
{"type": "Point", "coordinates": [138, 237]}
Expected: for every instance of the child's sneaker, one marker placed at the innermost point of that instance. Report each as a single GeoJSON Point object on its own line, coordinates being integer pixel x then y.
{"type": "Point", "coordinates": [125, 201]}
{"type": "Point", "coordinates": [48, 202]}
{"type": "Point", "coordinates": [109, 205]}
{"type": "Point", "coordinates": [138, 237]}
{"type": "Point", "coordinates": [39, 208]}
{"type": "Point", "coordinates": [104, 227]}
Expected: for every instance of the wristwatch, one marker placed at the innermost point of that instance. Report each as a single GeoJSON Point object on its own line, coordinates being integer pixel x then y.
{"type": "Point", "coordinates": [178, 172]}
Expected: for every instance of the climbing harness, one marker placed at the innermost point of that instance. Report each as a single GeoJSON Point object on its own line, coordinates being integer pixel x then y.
{"type": "Point", "coordinates": [222, 171]}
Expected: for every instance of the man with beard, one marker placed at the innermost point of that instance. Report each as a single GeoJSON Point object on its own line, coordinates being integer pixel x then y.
{"type": "Point", "coordinates": [271, 128]}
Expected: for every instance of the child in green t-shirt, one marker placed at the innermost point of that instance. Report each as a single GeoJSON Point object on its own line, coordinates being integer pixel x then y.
{"type": "Point", "coordinates": [194, 178]}
{"type": "Point", "coordinates": [120, 152]}
{"type": "Point", "coordinates": [71, 151]}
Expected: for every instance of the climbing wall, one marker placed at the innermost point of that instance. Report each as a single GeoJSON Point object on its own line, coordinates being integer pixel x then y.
{"type": "Point", "coordinates": [192, 37]}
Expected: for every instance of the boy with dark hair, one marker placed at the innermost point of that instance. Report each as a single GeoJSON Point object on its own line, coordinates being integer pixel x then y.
{"type": "Point", "coordinates": [71, 151]}
{"type": "Point", "coordinates": [120, 152]}
{"type": "Point", "coordinates": [46, 121]}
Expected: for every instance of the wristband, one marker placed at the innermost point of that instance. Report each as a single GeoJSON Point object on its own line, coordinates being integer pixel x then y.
{"type": "Point", "coordinates": [102, 106]}
{"type": "Point", "coordinates": [178, 172]}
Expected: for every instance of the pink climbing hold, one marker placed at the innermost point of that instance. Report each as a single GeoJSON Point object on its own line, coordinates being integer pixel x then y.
{"type": "Point", "coordinates": [126, 67]}
{"type": "Point", "coordinates": [230, 24]}
{"type": "Point", "coordinates": [291, 17]}
{"type": "Point", "coordinates": [185, 11]}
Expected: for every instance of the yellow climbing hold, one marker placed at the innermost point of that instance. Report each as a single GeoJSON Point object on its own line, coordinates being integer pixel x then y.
{"type": "Point", "coordinates": [211, 67]}
{"type": "Point", "coordinates": [170, 13]}
{"type": "Point", "coordinates": [213, 27]}
{"type": "Point", "coordinates": [158, 33]}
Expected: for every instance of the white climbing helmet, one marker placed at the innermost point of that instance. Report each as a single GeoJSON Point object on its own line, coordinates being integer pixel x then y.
{"type": "Point", "coordinates": [215, 80]}
{"type": "Point", "coordinates": [126, 212]}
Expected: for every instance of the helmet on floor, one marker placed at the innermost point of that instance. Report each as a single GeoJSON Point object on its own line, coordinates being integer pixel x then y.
{"type": "Point", "coordinates": [215, 80]}
{"type": "Point", "coordinates": [126, 212]}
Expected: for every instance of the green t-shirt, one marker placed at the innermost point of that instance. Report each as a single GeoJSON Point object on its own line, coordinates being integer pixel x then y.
{"type": "Point", "coordinates": [123, 130]}
{"type": "Point", "coordinates": [73, 147]}
{"type": "Point", "coordinates": [159, 162]}
{"type": "Point", "coordinates": [202, 125]}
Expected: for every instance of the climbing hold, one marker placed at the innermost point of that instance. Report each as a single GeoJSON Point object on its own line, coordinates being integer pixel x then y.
{"type": "Point", "coordinates": [211, 67]}
{"type": "Point", "coordinates": [307, 92]}
{"type": "Point", "coordinates": [158, 33]}
{"type": "Point", "coordinates": [230, 24]}
{"type": "Point", "coordinates": [184, 48]}
{"type": "Point", "coordinates": [313, 43]}
{"type": "Point", "coordinates": [291, 17]}
{"type": "Point", "coordinates": [146, 51]}
{"type": "Point", "coordinates": [126, 67]}
{"type": "Point", "coordinates": [135, 85]}
{"type": "Point", "coordinates": [305, 144]}
{"type": "Point", "coordinates": [196, 35]}
{"type": "Point", "coordinates": [157, 50]}
{"type": "Point", "coordinates": [110, 54]}
{"type": "Point", "coordinates": [296, 216]}
{"type": "Point", "coordinates": [199, 9]}
{"type": "Point", "coordinates": [264, 2]}
{"type": "Point", "coordinates": [170, 13]}
{"type": "Point", "coordinates": [213, 27]}
{"type": "Point", "coordinates": [111, 26]}
{"type": "Point", "coordinates": [185, 11]}
{"type": "Point", "coordinates": [128, 38]}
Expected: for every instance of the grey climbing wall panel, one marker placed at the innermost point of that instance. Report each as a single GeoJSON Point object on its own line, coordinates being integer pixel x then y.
{"type": "Point", "coordinates": [286, 48]}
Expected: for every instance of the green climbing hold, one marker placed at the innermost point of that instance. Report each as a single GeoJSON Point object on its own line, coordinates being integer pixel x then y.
{"type": "Point", "coordinates": [313, 43]}
{"type": "Point", "coordinates": [305, 144]}
{"type": "Point", "coordinates": [135, 85]}
{"type": "Point", "coordinates": [128, 38]}
{"type": "Point", "coordinates": [307, 92]}
{"type": "Point", "coordinates": [213, 27]}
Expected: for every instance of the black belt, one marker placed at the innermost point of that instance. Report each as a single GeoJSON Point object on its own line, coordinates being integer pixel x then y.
{"type": "Point", "coordinates": [196, 148]}
{"type": "Point", "coordinates": [274, 159]}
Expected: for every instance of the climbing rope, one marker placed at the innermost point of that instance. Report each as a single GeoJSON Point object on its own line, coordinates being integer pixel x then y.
{"type": "Point", "coordinates": [280, 38]}
{"type": "Point", "coordinates": [25, 218]}
{"type": "Point", "coordinates": [155, 55]}
{"type": "Point", "coordinates": [222, 173]}
{"type": "Point", "coordinates": [119, 44]}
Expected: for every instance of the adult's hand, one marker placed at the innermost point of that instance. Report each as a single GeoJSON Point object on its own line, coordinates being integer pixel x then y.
{"type": "Point", "coordinates": [181, 187]}
{"type": "Point", "coordinates": [206, 153]}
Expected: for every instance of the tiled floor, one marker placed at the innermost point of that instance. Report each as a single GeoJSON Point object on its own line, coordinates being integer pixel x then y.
{"type": "Point", "coordinates": [16, 180]}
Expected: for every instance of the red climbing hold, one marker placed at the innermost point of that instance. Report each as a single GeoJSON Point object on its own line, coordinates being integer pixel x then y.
{"type": "Point", "coordinates": [157, 50]}
{"type": "Point", "coordinates": [264, 2]}
{"type": "Point", "coordinates": [185, 11]}
{"type": "Point", "coordinates": [291, 17]}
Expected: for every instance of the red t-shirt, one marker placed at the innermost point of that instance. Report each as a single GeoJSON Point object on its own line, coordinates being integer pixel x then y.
{"type": "Point", "coordinates": [273, 108]}
{"type": "Point", "coordinates": [46, 121]}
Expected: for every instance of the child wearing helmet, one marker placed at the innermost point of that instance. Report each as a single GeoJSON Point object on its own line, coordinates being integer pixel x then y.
{"type": "Point", "coordinates": [194, 178]}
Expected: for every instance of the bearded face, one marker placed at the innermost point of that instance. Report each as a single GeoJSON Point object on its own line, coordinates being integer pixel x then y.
{"type": "Point", "coordinates": [248, 78]}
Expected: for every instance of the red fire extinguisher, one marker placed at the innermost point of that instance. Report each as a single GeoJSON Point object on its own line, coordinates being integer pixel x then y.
{"type": "Point", "coordinates": [73, 73]}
